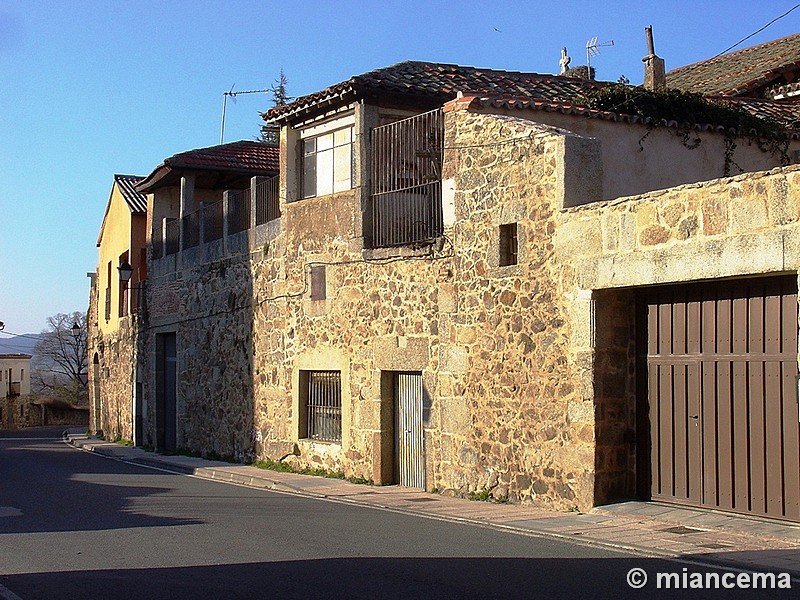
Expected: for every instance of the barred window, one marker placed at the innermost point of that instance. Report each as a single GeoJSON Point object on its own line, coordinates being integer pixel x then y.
{"type": "Point", "coordinates": [509, 244]}
{"type": "Point", "coordinates": [321, 408]}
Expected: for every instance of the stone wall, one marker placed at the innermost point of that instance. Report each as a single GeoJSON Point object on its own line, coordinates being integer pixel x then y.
{"type": "Point", "coordinates": [520, 427]}
{"type": "Point", "coordinates": [741, 226]}
{"type": "Point", "coordinates": [529, 369]}
{"type": "Point", "coordinates": [114, 377]}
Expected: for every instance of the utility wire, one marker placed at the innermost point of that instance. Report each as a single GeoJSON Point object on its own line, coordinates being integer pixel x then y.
{"type": "Point", "coordinates": [744, 39]}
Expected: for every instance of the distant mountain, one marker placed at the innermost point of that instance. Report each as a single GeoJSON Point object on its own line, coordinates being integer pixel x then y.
{"type": "Point", "coordinates": [18, 344]}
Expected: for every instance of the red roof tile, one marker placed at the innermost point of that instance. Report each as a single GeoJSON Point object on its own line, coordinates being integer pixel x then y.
{"type": "Point", "coordinates": [242, 155]}
{"type": "Point", "coordinates": [235, 158]}
{"type": "Point", "coordinates": [435, 83]}
{"type": "Point", "coordinates": [786, 112]}
{"type": "Point", "coordinates": [742, 73]}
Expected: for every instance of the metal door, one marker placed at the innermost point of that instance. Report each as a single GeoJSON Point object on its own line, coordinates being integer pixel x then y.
{"type": "Point", "coordinates": [409, 436]}
{"type": "Point", "coordinates": [166, 391]}
{"type": "Point", "coordinates": [722, 393]}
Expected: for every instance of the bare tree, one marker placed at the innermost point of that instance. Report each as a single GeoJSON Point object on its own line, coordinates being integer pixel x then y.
{"type": "Point", "coordinates": [61, 359]}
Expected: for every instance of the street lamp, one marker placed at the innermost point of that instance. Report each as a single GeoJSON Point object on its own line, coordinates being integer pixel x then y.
{"type": "Point", "coordinates": [76, 329]}
{"type": "Point", "coordinates": [125, 271]}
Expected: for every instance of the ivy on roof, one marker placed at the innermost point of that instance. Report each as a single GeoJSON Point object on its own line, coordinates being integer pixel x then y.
{"type": "Point", "coordinates": [684, 110]}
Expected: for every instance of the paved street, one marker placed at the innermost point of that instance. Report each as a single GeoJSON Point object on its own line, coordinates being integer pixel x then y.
{"type": "Point", "coordinates": [77, 525]}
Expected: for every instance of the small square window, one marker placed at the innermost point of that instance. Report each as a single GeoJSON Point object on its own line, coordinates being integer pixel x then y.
{"type": "Point", "coordinates": [509, 245]}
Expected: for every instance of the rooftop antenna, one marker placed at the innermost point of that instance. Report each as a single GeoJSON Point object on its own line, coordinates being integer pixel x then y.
{"type": "Point", "coordinates": [593, 49]}
{"type": "Point", "coordinates": [233, 95]}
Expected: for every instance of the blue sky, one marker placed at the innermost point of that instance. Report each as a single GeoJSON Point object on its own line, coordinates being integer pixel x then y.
{"type": "Point", "coordinates": [93, 88]}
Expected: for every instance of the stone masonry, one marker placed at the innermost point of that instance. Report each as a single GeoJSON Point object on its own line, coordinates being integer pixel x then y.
{"type": "Point", "coordinates": [529, 369]}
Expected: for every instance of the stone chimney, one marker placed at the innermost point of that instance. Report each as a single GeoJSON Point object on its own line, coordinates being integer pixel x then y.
{"type": "Point", "coordinates": [654, 73]}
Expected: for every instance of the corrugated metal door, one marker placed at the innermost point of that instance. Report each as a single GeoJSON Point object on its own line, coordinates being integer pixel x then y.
{"type": "Point", "coordinates": [408, 427]}
{"type": "Point", "coordinates": [722, 393]}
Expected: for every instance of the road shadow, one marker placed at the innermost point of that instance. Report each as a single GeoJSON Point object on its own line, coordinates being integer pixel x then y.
{"type": "Point", "coordinates": [48, 486]}
{"type": "Point", "coordinates": [380, 578]}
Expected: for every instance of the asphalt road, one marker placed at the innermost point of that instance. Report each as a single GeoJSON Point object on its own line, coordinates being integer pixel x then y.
{"type": "Point", "coordinates": [75, 525]}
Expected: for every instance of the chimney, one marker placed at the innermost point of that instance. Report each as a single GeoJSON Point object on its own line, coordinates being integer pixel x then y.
{"type": "Point", "coordinates": [654, 74]}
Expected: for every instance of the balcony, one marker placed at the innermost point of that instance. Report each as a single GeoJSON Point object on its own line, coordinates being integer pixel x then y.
{"type": "Point", "coordinates": [406, 199]}
{"type": "Point", "coordinates": [237, 212]}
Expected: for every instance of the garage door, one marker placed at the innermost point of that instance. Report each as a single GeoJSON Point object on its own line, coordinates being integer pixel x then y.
{"type": "Point", "coordinates": [722, 395]}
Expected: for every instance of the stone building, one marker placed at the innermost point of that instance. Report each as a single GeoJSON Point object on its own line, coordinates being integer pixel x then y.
{"type": "Point", "coordinates": [205, 209]}
{"type": "Point", "coordinates": [462, 280]}
{"type": "Point", "coordinates": [15, 387]}
{"type": "Point", "coordinates": [15, 375]}
{"type": "Point", "coordinates": [115, 303]}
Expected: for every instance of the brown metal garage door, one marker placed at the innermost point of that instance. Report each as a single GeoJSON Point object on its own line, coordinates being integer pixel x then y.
{"type": "Point", "coordinates": [722, 394]}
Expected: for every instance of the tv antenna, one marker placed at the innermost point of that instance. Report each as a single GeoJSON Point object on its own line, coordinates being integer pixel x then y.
{"type": "Point", "coordinates": [593, 49]}
{"type": "Point", "coordinates": [230, 93]}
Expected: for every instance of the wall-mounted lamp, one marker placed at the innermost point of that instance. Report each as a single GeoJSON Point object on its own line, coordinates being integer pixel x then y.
{"type": "Point", "coordinates": [125, 271]}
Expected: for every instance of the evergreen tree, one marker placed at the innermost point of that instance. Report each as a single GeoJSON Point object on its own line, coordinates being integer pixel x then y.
{"type": "Point", "coordinates": [269, 133]}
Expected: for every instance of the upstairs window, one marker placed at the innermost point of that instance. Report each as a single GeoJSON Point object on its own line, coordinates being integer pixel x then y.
{"type": "Point", "coordinates": [328, 163]}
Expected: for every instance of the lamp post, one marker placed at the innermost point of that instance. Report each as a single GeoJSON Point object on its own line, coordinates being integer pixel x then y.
{"type": "Point", "coordinates": [83, 378]}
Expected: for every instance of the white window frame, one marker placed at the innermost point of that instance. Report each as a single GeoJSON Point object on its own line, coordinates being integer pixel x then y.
{"type": "Point", "coordinates": [327, 154]}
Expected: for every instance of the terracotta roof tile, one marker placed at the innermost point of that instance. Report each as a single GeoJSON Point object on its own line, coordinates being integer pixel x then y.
{"type": "Point", "coordinates": [783, 112]}
{"type": "Point", "coordinates": [436, 83]}
{"type": "Point", "coordinates": [243, 157]}
{"type": "Point", "coordinates": [786, 112]}
{"type": "Point", "coordinates": [741, 73]}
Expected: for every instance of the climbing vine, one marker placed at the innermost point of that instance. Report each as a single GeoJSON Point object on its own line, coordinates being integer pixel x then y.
{"type": "Point", "coordinates": [660, 107]}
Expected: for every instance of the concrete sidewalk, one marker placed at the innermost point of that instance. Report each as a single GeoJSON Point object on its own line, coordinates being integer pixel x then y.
{"type": "Point", "coordinates": [651, 529]}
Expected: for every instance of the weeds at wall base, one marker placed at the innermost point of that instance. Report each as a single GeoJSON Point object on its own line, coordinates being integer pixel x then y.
{"type": "Point", "coordinates": [281, 467]}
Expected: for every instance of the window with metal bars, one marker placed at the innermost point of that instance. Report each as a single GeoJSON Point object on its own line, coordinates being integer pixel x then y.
{"type": "Point", "coordinates": [321, 407]}
{"type": "Point", "coordinates": [509, 245]}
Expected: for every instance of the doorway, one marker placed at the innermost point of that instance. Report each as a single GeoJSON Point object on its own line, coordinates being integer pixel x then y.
{"type": "Point", "coordinates": [408, 427]}
{"type": "Point", "coordinates": [166, 392]}
{"type": "Point", "coordinates": [721, 392]}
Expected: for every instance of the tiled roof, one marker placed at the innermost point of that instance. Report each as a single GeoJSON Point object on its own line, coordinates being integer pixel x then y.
{"type": "Point", "coordinates": [785, 112]}
{"type": "Point", "coordinates": [243, 155]}
{"type": "Point", "coordinates": [741, 73]}
{"type": "Point", "coordinates": [437, 83]}
{"type": "Point", "coordinates": [235, 158]}
{"type": "Point", "coordinates": [136, 201]}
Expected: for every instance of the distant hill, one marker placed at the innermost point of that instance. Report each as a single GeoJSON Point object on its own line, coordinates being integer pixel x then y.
{"type": "Point", "coordinates": [18, 344]}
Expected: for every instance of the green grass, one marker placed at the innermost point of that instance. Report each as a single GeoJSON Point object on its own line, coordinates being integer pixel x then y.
{"type": "Point", "coordinates": [282, 467]}
{"type": "Point", "coordinates": [486, 496]}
